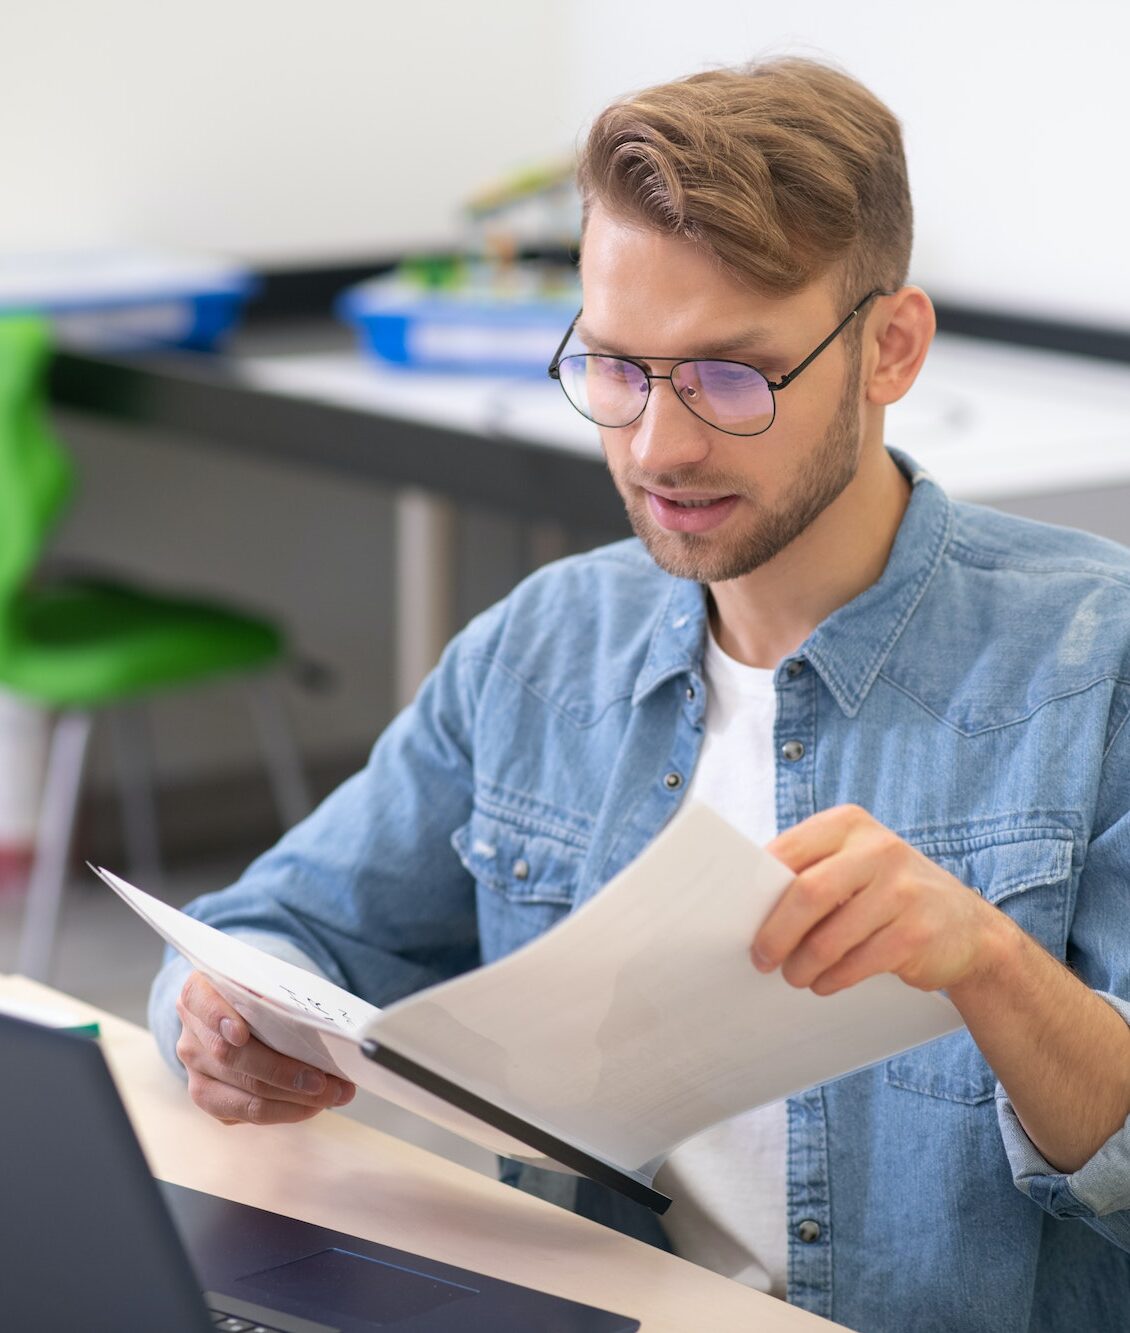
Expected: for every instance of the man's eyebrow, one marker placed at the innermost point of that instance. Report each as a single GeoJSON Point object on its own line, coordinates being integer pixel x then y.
{"type": "Point", "coordinates": [755, 338]}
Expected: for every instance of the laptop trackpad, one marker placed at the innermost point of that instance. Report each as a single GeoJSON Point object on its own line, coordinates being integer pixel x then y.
{"type": "Point", "coordinates": [353, 1286]}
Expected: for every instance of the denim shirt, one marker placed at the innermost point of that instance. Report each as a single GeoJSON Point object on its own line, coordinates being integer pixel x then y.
{"type": "Point", "coordinates": [974, 700]}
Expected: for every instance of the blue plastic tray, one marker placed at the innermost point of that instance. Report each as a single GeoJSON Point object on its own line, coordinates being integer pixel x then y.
{"type": "Point", "coordinates": [128, 300]}
{"type": "Point", "coordinates": [445, 333]}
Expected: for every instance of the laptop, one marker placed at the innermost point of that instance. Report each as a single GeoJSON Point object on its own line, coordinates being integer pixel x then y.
{"type": "Point", "coordinates": [89, 1240]}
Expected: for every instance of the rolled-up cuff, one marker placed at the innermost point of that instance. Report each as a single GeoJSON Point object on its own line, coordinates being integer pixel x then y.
{"type": "Point", "coordinates": [1098, 1192]}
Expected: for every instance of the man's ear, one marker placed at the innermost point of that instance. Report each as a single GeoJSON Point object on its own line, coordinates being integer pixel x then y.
{"type": "Point", "coordinates": [901, 335]}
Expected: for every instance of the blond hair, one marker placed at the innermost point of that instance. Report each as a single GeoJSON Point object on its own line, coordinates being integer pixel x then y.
{"type": "Point", "coordinates": [784, 170]}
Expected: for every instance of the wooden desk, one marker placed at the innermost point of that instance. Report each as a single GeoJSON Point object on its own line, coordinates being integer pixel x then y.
{"type": "Point", "coordinates": [338, 1173]}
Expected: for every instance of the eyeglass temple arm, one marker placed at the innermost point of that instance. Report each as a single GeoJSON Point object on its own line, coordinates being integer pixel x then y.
{"type": "Point", "coordinates": [556, 361]}
{"type": "Point", "coordinates": [787, 379]}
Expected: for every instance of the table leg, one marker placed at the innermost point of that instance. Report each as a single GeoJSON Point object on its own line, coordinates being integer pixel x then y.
{"type": "Point", "coordinates": [425, 586]}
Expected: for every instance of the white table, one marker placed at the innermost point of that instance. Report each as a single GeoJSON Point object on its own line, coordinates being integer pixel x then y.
{"type": "Point", "coordinates": [993, 422]}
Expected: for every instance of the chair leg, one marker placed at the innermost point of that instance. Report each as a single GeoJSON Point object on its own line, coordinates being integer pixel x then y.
{"type": "Point", "coordinates": [132, 754]}
{"type": "Point", "coordinates": [65, 764]}
{"type": "Point", "coordinates": [280, 751]}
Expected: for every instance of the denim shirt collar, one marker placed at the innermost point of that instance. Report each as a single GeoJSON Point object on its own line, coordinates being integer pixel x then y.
{"type": "Point", "coordinates": [678, 639]}
{"type": "Point", "coordinates": [847, 649]}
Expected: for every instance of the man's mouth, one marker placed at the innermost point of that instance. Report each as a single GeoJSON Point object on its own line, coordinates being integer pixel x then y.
{"type": "Point", "coordinates": [695, 513]}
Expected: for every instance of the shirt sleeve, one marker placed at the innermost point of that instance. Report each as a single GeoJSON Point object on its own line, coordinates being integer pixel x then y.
{"type": "Point", "coordinates": [368, 890]}
{"type": "Point", "coordinates": [1098, 952]}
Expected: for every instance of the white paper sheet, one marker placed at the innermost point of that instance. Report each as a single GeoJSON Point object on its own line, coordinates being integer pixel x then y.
{"type": "Point", "coordinates": [303, 1015]}
{"type": "Point", "coordinates": [640, 1020]}
{"type": "Point", "coordinates": [634, 1024]}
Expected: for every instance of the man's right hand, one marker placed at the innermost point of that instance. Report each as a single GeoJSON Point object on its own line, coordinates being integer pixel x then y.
{"type": "Point", "coordinates": [237, 1079]}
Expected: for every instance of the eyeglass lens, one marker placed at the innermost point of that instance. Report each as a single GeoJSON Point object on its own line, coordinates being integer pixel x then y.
{"type": "Point", "coordinates": [612, 392]}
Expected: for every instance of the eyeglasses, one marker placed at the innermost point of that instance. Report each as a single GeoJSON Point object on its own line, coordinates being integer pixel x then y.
{"type": "Point", "coordinates": [729, 395]}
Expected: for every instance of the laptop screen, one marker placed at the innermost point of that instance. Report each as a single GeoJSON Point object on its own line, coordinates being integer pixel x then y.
{"type": "Point", "coordinates": [88, 1241]}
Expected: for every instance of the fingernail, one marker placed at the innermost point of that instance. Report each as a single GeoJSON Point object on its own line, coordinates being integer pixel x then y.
{"type": "Point", "coordinates": [760, 961]}
{"type": "Point", "coordinates": [229, 1031]}
{"type": "Point", "coordinates": [310, 1081]}
{"type": "Point", "coordinates": [344, 1094]}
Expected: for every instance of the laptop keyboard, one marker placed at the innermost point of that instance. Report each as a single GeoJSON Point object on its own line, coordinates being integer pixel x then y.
{"type": "Point", "coordinates": [232, 1323]}
{"type": "Point", "coordinates": [233, 1315]}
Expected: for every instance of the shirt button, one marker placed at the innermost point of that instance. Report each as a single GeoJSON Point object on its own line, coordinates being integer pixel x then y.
{"type": "Point", "coordinates": [792, 751]}
{"type": "Point", "coordinates": [521, 869]}
{"type": "Point", "coordinates": [673, 781]}
{"type": "Point", "coordinates": [690, 692]}
{"type": "Point", "coordinates": [808, 1231]}
{"type": "Point", "coordinates": [794, 668]}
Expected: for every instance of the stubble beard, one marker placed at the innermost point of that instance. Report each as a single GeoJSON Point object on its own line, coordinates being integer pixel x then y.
{"type": "Point", "coordinates": [710, 558]}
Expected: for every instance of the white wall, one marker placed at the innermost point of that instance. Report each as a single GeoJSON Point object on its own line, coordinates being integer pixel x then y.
{"type": "Point", "coordinates": [1016, 120]}
{"type": "Point", "coordinates": [271, 129]}
{"type": "Point", "coordinates": [286, 130]}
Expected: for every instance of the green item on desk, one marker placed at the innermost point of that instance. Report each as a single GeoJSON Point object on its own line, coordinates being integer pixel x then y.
{"type": "Point", "coordinates": [84, 1030]}
{"type": "Point", "coordinates": [63, 1020]}
{"type": "Point", "coordinates": [434, 273]}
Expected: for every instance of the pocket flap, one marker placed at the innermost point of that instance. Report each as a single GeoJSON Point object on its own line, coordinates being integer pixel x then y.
{"type": "Point", "coordinates": [524, 865]}
{"type": "Point", "coordinates": [1005, 865]}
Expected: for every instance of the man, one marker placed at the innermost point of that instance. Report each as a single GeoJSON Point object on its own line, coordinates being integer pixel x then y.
{"type": "Point", "coordinates": [920, 707]}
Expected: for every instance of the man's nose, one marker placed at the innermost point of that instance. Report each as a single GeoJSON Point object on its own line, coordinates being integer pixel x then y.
{"type": "Point", "coordinates": [668, 436]}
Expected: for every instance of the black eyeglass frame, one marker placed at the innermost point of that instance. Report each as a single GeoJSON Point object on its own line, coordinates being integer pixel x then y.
{"type": "Point", "coordinates": [774, 386]}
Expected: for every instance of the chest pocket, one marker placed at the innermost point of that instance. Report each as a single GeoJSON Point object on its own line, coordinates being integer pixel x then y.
{"type": "Point", "coordinates": [526, 879]}
{"type": "Point", "coordinates": [1027, 874]}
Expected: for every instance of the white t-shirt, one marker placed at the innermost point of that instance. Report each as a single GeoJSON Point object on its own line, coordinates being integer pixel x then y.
{"type": "Point", "coordinates": [728, 1185]}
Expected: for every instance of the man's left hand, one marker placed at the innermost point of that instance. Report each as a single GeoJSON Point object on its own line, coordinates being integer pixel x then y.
{"type": "Point", "coordinates": [864, 902]}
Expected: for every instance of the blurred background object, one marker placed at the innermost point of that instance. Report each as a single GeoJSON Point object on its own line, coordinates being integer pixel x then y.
{"type": "Point", "coordinates": [78, 645]}
{"type": "Point", "coordinates": [127, 298]}
{"type": "Point", "coordinates": [495, 306]}
{"type": "Point", "coordinates": [24, 733]}
{"type": "Point", "coordinates": [537, 208]}
{"type": "Point", "coordinates": [493, 317]}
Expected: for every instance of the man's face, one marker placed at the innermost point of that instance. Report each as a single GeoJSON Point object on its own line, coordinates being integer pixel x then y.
{"type": "Point", "coordinates": [710, 506]}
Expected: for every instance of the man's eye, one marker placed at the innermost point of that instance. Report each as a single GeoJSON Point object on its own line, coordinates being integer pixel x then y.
{"type": "Point", "coordinates": [726, 375]}
{"type": "Point", "coordinates": [612, 368]}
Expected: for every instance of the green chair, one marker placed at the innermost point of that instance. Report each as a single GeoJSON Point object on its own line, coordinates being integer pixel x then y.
{"type": "Point", "coordinates": [81, 646]}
